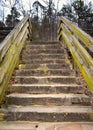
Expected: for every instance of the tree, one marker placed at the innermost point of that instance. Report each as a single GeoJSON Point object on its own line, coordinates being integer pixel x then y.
{"type": "Point", "coordinates": [36, 18]}
{"type": "Point", "coordinates": [9, 5]}
{"type": "Point", "coordinates": [66, 11]}
{"type": "Point", "coordinates": [84, 14]}
{"type": "Point", "coordinates": [20, 7]}
{"type": "Point", "coordinates": [49, 20]}
{"type": "Point", "coordinates": [80, 12]}
{"type": "Point", "coordinates": [12, 19]}
{"type": "Point", "coordinates": [2, 24]}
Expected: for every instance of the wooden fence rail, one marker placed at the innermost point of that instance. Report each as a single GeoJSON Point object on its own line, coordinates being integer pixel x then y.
{"type": "Point", "coordinates": [80, 45]}
{"type": "Point", "coordinates": [10, 50]}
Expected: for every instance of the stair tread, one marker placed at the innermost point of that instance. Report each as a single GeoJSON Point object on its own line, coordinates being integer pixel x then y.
{"type": "Point", "coordinates": [45, 79]}
{"type": "Point", "coordinates": [51, 109]}
{"type": "Point", "coordinates": [27, 125]}
{"type": "Point", "coordinates": [60, 59]}
{"type": "Point", "coordinates": [43, 45]}
{"type": "Point", "coordinates": [46, 88]}
{"type": "Point", "coordinates": [43, 60]}
{"type": "Point", "coordinates": [62, 95]}
{"type": "Point", "coordinates": [50, 59]}
{"type": "Point", "coordinates": [36, 57]}
{"type": "Point", "coordinates": [40, 51]}
{"type": "Point", "coordinates": [45, 54]}
{"type": "Point", "coordinates": [51, 85]}
{"type": "Point", "coordinates": [49, 65]}
{"type": "Point", "coordinates": [51, 76]}
{"type": "Point", "coordinates": [44, 49]}
{"type": "Point", "coordinates": [42, 71]}
{"type": "Point", "coordinates": [43, 68]}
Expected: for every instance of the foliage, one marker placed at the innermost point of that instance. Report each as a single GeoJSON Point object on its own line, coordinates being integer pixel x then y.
{"type": "Point", "coordinates": [66, 11]}
{"type": "Point", "coordinates": [44, 19]}
{"type": "Point", "coordinates": [80, 13]}
{"type": "Point", "coordinates": [12, 19]}
{"type": "Point", "coordinates": [2, 24]}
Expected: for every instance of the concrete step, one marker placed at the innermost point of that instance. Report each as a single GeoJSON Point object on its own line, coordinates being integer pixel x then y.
{"type": "Point", "coordinates": [47, 99]}
{"type": "Point", "coordinates": [45, 88]}
{"type": "Point", "coordinates": [21, 125]}
{"type": "Point", "coordinates": [55, 66]}
{"type": "Point", "coordinates": [45, 79]}
{"type": "Point", "coordinates": [50, 113]}
{"type": "Point", "coordinates": [47, 46]}
{"type": "Point", "coordinates": [43, 51]}
{"type": "Point", "coordinates": [43, 56]}
{"type": "Point", "coordinates": [42, 61]}
{"type": "Point", "coordinates": [44, 42]}
{"type": "Point", "coordinates": [27, 125]}
{"type": "Point", "coordinates": [44, 45]}
{"type": "Point", "coordinates": [44, 72]}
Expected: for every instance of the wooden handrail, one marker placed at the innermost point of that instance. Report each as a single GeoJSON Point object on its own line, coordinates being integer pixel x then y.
{"type": "Point", "coordinates": [10, 50]}
{"type": "Point", "coordinates": [84, 37]}
{"type": "Point", "coordinates": [78, 42]}
{"type": "Point", "coordinates": [11, 37]}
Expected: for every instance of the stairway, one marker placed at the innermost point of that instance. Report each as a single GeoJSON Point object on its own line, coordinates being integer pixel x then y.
{"type": "Point", "coordinates": [46, 88]}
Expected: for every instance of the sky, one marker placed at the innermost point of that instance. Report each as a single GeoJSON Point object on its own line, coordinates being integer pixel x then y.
{"type": "Point", "coordinates": [26, 4]}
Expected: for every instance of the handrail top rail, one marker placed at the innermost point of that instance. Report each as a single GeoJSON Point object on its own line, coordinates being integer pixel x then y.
{"type": "Point", "coordinates": [84, 37]}
{"type": "Point", "coordinates": [10, 51]}
{"type": "Point", "coordinates": [13, 34]}
{"type": "Point", "coordinates": [80, 45]}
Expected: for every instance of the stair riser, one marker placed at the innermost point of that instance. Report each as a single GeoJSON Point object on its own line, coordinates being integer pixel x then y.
{"type": "Point", "coordinates": [44, 72]}
{"type": "Point", "coordinates": [45, 80]}
{"type": "Point", "coordinates": [46, 89]}
{"type": "Point", "coordinates": [48, 101]}
{"type": "Point", "coordinates": [49, 117]}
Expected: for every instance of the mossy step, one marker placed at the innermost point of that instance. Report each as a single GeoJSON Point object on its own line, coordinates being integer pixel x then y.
{"type": "Point", "coordinates": [55, 66]}
{"type": "Point", "coordinates": [42, 56]}
{"type": "Point", "coordinates": [43, 51]}
{"type": "Point", "coordinates": [43, 42]}
{"type": "Point", "coordinates": [44, 61]}
{"type": "Point", "coordinates": [46, 88]}
{"type": "Point", "coordinates": [44, 71]}
{"type": "Point", "coordinates": [58, 46]}
{"type": "Point", "coordinates": [45, 79]}
{"type": "Point", "coordinates": [48, 99]}
{"type": "Point", "coordinates": [50, 113]}
{"type": "Point", "coordinates": [28, 125]}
